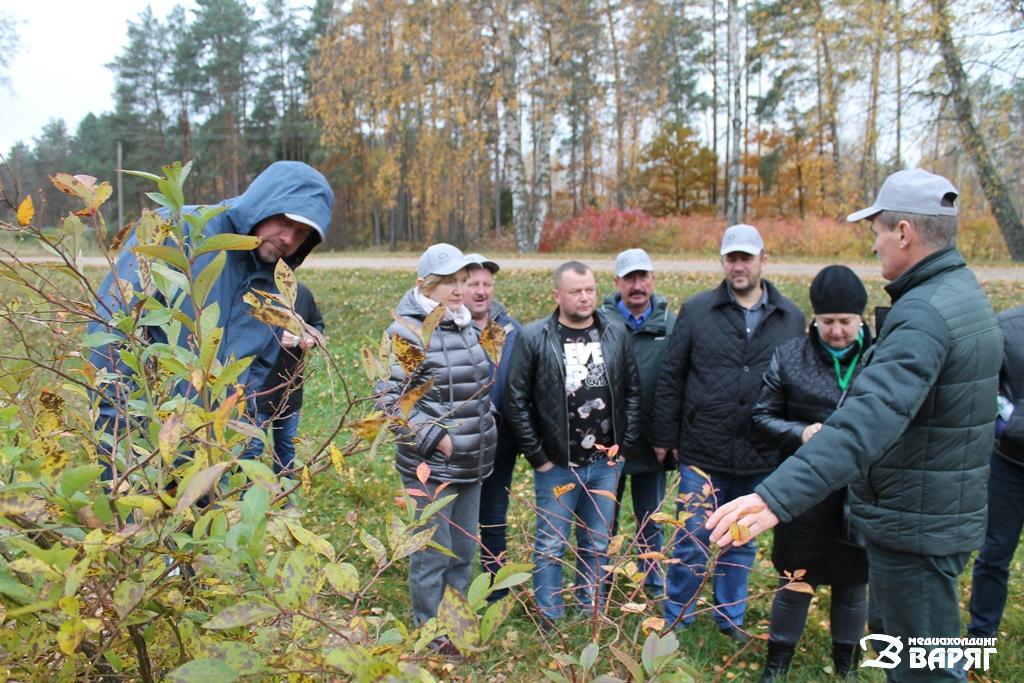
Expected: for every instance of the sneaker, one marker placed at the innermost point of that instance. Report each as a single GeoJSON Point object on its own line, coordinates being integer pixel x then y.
{"type": "Point", "coordinates": [735, 634]}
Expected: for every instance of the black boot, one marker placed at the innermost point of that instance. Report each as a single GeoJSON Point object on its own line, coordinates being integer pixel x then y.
{"type": "Point", "coordinates": [776, 664]}
{"type": "Point", "coordinates": [845, 657]}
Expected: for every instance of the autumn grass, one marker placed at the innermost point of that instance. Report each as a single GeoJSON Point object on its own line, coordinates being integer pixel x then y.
{"type": "Point", "coordinates": [357, 307]}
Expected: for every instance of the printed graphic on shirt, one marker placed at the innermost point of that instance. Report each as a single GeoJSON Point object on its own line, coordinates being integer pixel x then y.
{"type": "Point", "coordinates": [587, 398]}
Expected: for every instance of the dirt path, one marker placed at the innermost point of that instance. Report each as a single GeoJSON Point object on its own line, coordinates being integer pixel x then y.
{"type": "Point", "coordinates": [408, 263]}
{"type": "Point", "coordinates": [708, 265]}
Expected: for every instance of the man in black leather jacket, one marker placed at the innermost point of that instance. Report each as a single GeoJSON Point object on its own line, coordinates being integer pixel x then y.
{"type": "Point", "coordinates": [573, 399]}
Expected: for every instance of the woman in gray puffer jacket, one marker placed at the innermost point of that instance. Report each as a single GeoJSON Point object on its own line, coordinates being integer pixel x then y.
{"type": "Point", "coordinates": [451, 427]}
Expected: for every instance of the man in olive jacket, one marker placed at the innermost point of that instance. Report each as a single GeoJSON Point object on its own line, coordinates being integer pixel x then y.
{"type": "Point", "coordinates": [646, 317]}
{"type": "Point", "coordinates": [721, 345]}
{"type": "Point", "coordinates": [573, 399]}
{"type": "Point", "coordinates": [913, 437]}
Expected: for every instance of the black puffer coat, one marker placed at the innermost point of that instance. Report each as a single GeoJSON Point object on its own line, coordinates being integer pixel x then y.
{"type": "Point", "coordinates": [1011, 380]}
{"type": "Point", "coordinates": [800, 389]}
{"type": "Point", "coordinates": [711, 377]}
{"type": "Point", "coordinates": [458, 404]}
{"type": "Point", "coordinates": [536, 407]}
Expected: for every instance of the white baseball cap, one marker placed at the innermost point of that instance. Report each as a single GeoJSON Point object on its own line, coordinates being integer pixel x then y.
{"type": "Point", "coordinates": [441, 259]}
{"type": "Point", "coordinates": [742, 237]}
{"type": "Point", "coordinates": [912, 191]}
{"type": "Point", "coordinates": [631, 261]}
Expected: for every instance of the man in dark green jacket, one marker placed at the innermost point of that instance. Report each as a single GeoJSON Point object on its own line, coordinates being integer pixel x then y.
{"type": "Point", "coordinates": [646, 317]}
{"type": "Point", "coordinates": [913, 436]}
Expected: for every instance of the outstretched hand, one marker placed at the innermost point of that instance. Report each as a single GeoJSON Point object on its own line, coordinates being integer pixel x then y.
{"type": "Point", "coordinates": [740, 520]}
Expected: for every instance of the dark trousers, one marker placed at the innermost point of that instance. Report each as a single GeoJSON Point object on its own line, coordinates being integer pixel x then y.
{"type": "Point", "coordinates": [849, 612]}
{"type": "Point", "coordinates": [647, 489]}
{"type": "Point", "coordinates": [494, 513]}
{"type": "Point", "coordinates": [992, 567]}
{"type": "Point", "coordinates": [915, 596]}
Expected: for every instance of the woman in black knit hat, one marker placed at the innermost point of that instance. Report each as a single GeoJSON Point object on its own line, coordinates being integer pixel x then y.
{"type": "Point", "coordinates": [808, 377]}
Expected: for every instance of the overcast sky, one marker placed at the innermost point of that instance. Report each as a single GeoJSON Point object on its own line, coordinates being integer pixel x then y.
{"type": "Point", "coordinates": [59, 71]}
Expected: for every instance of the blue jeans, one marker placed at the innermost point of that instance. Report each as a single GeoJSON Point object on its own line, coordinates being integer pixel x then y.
{"type": "Point", "coordinates": [282, 431]}
{"type": "Point", "coordinates": [494, 513]}
{"type": "Point", "coordinates": [592, 514]}
{"type": "Point", "coordinates": [647, 490]}
{"type": "Point", "coordinates": [992, 567]}
{"type": "Point", "coordinates": [733, 567]}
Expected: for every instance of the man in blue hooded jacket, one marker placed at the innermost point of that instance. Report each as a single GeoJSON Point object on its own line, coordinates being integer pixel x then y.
{"type": "Point", "coordinates": [288, 206]}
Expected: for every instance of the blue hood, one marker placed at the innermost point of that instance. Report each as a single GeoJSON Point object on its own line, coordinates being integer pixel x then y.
{"type": "Point", "coordinates": [285, 187]}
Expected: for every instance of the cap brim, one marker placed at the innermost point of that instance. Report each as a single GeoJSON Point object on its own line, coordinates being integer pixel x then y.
{"type": "Point", "coordinates": [298, 218]}
{"type": "Point", "coordinates": [869, 212]}
{"type": "Point", "coordinates": [753, 251]}
{"type": "Point", "coordinates": [639, 268]}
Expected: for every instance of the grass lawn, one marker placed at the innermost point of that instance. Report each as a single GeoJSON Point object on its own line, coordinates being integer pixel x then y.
{"type": "Point", "coordinates": [357, 307]}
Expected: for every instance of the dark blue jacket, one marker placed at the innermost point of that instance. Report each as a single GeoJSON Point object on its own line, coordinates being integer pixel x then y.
{"type": "Point", "coordinates": [284, 187]}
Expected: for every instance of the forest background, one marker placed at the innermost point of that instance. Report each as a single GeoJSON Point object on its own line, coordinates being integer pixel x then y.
{"type": "Point", "coordinates": [565, 124]}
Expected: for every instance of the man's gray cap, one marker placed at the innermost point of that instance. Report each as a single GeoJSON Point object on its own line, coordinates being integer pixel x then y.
{"type": "Point", "coordinates": [441, 259]}
{"type": "Point", "coordinates": [742, 237]}
{"type": "Point", "coordinates": [631, 261]}
{"type": "Point", "coordinates": [912, 191]}
{"type": "Point", "coordinates": [483, 262]}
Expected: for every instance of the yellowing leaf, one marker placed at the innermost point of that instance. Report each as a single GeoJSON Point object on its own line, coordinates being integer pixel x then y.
{"type": "Point", "coordinates": [409, 398]}
{"type": "Point", "coordinates": [615, 544]}
{"type": "Point", "coordinates": [740, 532]}
{"type": "Point", "coordinates": [70, 635]}
{"type": "Point", "coordinates": [701, 473]}
{"type": "Point", "coordinates": [753, 510]}
{"type": "Point", "coordinates": [307, 481]}
{"type": "Point", "coordinates": [634, 607]}
{"type": "Point", "coordinates": [368, 427]}
{"type": "Point", "coordinates": [430, 322]}
{"type": "Point", "coordinates": [652, 555]}
{"type": "Point", "coordinates": [493, 340]}
{"type": "Point", "coordinates": [611, 452]}
{"type": "Point", "coordinates": [560, 491]}
{"type": "Point", "coordinates": [800, 587]}
{"type": "Point", "coordinates": [284, 277]}
{"type": "Point", "coordinates": [408, 355]}
{"type": "Point", "coordinates": [337, 458]}
{"type": "Point", "coordinates": [653, 624]}
{"type": "Point", "coordinates": [604, 494]}
{"type": "Point", "coordinates": [306, 537]}
{"type": "Point", "coordinates": [26, 211]}
{"type": "Point", "coordinates": [170, 436]}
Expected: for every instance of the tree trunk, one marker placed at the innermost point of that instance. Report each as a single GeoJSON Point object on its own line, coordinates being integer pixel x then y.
{"type": "Point", "coordinates": [620, 114]}
{"type": "Point", "coordinates": [737, 123]}
{"type": "Point", "coordinates": [992, 183]}
{"type": "Point", "coordinates": [714, 100]}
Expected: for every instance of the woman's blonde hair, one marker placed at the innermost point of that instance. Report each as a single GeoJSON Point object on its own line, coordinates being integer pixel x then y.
{"type": "Point", "coordinates": [430, 282]}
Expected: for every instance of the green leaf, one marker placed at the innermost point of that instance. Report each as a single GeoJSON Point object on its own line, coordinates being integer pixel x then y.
{"type": "Point", "coordinates": [260, 474]}
{"type": "Point", "coordinates": [95, 340]}
{"type": "Point", "coordinates": [207, 277]}
{"type": "Point", "coordinates": [343, 577]}
{"type": "Point", "coordinates": [433, 508]}
{"type": "Point", "coordinates": [72, 480]}
{"type": "Point", "coordinates": [241, 657]}
{"type": "Point", "coordinates": [307, 538]}
{"type": "Point", "coordinates": [198, 485]}
{"type": "Point", "coordinates": [511, 580]}
{"type": "Point", "coordinates": [376, 548]}
{"type": "Point", "coordinates": [298, 579]}
{"type": "Point", "coordinates": [649, 653]}
{"type": "Point", "coordinates": [588, 657]}
{"type": "Point", "coordinates": [127, 595]}
{"type": "Point", "coordinates": [411, 544]}
{"type": "Point", "coordinates": [203, 670]}
{"type": "Point", "coordinates": [479, 589]}
{"type": "Point", "coordinates": [225, 241]}
{"type": "Point", "coordinates": [141, 174]}
{"type": "Point", "coordinates": [242, 614]}
{"type": "Point", "coordinates": [171, 255]}
{"type": "Point", "coordinates": [634, 669]}
{"type": "Point", "coordinates": [495, 614]}
{"type": "Point", "coordinates": [459, 620]}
